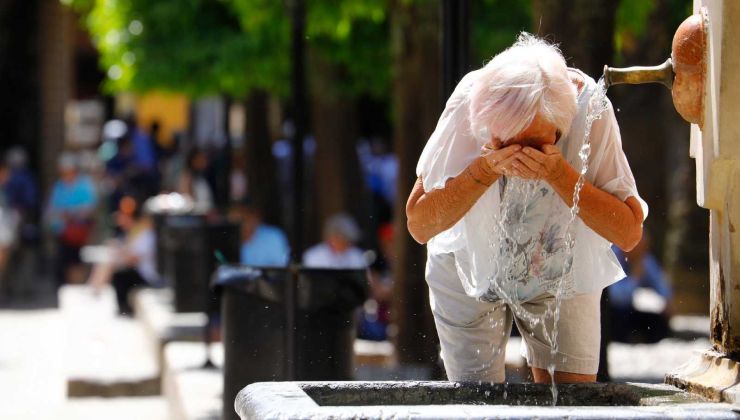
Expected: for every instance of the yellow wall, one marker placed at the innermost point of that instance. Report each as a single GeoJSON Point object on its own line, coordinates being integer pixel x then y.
{"type": "Point", "coordinates": [171, 110]}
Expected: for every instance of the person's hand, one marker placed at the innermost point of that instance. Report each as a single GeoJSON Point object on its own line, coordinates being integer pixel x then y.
{"type": "Point", "coordinates": [499, 158]}
{"type": "Point", "coordinates": [531, 163]}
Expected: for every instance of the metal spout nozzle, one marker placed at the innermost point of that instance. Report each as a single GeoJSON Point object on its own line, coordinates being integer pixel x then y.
{"type": "Point", "coordinates": [636, 75]}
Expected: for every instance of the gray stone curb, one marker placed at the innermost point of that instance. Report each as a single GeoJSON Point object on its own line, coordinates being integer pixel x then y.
{"type": "Point", "coordinates": [291, 400]}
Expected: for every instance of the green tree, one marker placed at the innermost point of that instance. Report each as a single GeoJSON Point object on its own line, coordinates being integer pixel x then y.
{"type": "Point", "coordinates": [200, 47]}
{"type": "Point", "coordinates": [495, 25]}
{"type": "Point", "coordinates": [196, 47]}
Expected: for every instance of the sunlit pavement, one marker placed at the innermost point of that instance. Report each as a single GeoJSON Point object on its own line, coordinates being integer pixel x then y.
{"type": "Point", "coordinates": [34, 365]}
{"type": "Point", "coordinates": [32, 382]}
{"type": "Point", "coordinates": [32, 374]}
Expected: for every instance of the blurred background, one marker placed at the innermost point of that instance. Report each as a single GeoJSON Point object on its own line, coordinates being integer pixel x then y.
{"type": "Point", "coordinates": [117, 113]}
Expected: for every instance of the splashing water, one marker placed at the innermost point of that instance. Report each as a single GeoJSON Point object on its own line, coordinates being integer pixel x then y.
{"type": "Point", "coordinates": [504, 285]}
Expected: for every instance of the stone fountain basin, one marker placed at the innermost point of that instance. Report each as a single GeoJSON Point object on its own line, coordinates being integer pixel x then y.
{"type": "Point", "coordinates": [454, 400]}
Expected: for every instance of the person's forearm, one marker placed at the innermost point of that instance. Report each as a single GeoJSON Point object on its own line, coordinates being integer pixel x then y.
{"type": "Point", "coordinates": [433, 212]}
{"type": "Point", "coordinates": [608, 216]}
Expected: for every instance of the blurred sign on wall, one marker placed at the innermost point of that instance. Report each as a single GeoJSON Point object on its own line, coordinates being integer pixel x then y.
{"type": "Point", "coordinates": [83, 120]}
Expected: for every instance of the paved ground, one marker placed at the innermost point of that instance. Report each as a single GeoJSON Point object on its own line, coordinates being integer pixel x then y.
{"type": "Point", "coordinates": [34, 366]}
{"type": "Point", "coordinates": [33, 369]}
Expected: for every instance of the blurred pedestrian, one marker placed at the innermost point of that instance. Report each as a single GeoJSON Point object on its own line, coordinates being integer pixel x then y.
{"type": "Point", "coordinates": [641, 302]}
{"type": "Point", "coordinates": [238, 178]}
{"type": "Point", "coordinates": [262, 244]}
{"type": "Point", "coordinates": [145, 153]}
{"type": "Point", "coordinates": [376, 316]}
{"type": "Point", "coordinates": [337, 250]}
{"type": "Point", "coordinates": [192, 181]}
{"type": "Point", "coordinates": [8, 227]}
{"type": "Point", "coordinates": [131, 262]}
{"type": "Point", "coordinates": [20, 190]}
{"type": "Point", "coordinates": [70, 217]}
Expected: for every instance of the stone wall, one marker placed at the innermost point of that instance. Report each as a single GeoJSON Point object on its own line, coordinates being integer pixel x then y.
{"type": "Point", "coordinates": [716, 148]}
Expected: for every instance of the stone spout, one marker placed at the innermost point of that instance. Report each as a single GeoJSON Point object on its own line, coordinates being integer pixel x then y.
{"type": "Point", "coordinates": [684, 73]}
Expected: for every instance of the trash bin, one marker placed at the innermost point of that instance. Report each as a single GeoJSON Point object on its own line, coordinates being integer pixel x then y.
{"type": "Point", "coordinates": [160, 220]}
{"type": "Point", "coordinates": [190, 246]}
{"type": "Point", "coordinates": [287, 324]}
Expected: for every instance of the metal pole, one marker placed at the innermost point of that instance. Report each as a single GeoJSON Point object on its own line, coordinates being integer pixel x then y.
{"type": "Point", "coordinates": [299, 119]}
{"type": "Point", "coordinates": [455, 43]}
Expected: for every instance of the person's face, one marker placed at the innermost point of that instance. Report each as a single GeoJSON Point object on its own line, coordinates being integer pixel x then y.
{"type": "Point", "coordinates": [539, 133]}
{"type": "Point", "coordinates": [338, 243]}
{"type": "Point", "coordinates": [250, 220]}
{"type": "Point", "coordinates": [200, 162]}
{"type": "Point", "coordinates": [67, 175]}
{"type": "Point", "coordinates": [4, 174]}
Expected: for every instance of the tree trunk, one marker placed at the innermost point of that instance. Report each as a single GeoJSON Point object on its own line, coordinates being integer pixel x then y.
{"type": "Point", "coordinates": [261, 172]}
{"type": "Point", "coordinates": [583, 28]}
{"type": "Point", "coordinates": [19, 107]}
{"type": "Point", "coordinates": [339, 185]}
{"type": "Point", "coordinates": [585, 31]}
{"type": "Point", "coordinates": [416, 51]}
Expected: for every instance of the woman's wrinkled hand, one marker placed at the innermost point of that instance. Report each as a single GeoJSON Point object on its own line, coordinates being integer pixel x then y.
{"type": "Point", "coordinates": [499, 158]}
{"type": "Point", "coordinates": [547, 165]}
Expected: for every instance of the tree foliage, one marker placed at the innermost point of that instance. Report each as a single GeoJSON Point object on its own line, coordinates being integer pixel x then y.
{"type": "Point", "coordinates": [191, 46]}
{"type": "Point", "coordinates": [633, 18]}
{"type": "Point", "coordinates": [353, 35]}
{"type": "Point", "coordinates": [232, 46]}
{"type": "Point", "coordinates": [495, 25]}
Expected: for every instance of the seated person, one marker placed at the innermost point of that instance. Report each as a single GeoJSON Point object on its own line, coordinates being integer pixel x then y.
{"type": "Point", "coordinates": [131, 261]}
{"type": "Point", "coordinates": [337, 250]}
{"type": "Point", "coordinates": [632, 323]}
{"type": "Point", "coordinates": [262, 244]}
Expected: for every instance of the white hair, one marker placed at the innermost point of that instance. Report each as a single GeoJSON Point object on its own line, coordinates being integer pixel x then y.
{"type": "Point", "coordinates": [527, 79]}
{"type": "Point", "coordinates": [343, 225]}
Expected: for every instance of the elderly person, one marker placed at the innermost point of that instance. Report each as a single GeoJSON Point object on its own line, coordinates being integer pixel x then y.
{"type": "Point", "coordinates": [492, 202]}
{"type": "Point", "coordinates": [338, 249]}
{"type": "Point", "coordinates": [70, 215]}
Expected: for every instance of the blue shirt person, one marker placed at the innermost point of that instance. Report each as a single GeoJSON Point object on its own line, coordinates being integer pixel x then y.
{"type": "Point", "coordinates": [630, 324]}
{"type": "Point", "coordinates": [650, 275]}
{"type": "Point", "coordinates": [72, 197]}
{"type": "Point", "coordinates": [262, 244]}
{"type": "Point", "coordinates": [267, 247]}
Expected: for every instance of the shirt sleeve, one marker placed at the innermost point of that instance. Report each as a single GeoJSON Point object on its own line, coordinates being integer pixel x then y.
{"type": "Point", "coordinates": [611, 171]}
{"type": "Point", "coordinates": [452, 145]}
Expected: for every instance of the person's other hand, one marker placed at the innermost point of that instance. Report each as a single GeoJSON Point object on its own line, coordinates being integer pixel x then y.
{"type": "Point", "coordinates": [531, 163]}
{"type": "Point", "coordinates": [499, 158]}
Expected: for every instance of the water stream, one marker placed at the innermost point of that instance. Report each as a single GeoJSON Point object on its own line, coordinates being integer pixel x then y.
{"type": "Point", "coordinates": [504, 239]}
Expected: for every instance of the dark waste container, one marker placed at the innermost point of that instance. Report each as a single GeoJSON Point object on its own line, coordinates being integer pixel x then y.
{"type": "Point", "coordinates": [190, 245]}
{"type": "Point", "coordinates": [284, 324]}
{"type": "Point", "coordinates": [160, 220]}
